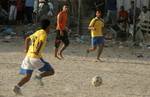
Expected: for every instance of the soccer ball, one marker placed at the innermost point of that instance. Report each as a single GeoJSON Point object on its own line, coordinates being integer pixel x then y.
{"type": "Point", "coordinates": [96, 81]}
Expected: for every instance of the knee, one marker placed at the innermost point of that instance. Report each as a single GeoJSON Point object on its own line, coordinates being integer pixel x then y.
{"type": "Point", "coordinates": [57, 43]}
{"type": "Point", "coordinates": [101, 45]}
{"type": "Point", "coordinates": [27, 77]}
{"type": "Point", "coordinates": [94, 48]}
{"type": "Point", "coordinates": [67, 43]}
{"type": "Point", "coordinates": [52, 72]}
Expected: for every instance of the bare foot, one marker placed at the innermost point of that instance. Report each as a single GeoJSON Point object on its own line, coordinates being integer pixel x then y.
{"type": "Point", "coordinates": [87, 52]}
{"type": "Point", "coordinates": [99, 60]}
{"type": "Point", "coordinates": [60, 54]}
{"type": "Point", "coordinates": [58, 57]}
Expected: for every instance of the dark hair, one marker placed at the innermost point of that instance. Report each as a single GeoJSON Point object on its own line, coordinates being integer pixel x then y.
{"type": "Point", "coordinates": [45, 23]}
{"type": "Point", "coordinates": [132, 2]}
{"type": "Point", "coordinates": [98, 10]}
{"type": "Point", "coordinates": [64, 5]}
{"type": "Point", "coordinates": [144, 7]}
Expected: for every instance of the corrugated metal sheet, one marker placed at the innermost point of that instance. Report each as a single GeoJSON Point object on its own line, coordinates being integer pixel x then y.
{"type": "Point", "coordinates": [126, 3]}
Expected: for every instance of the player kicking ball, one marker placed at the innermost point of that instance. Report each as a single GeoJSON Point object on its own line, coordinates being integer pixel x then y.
{"type": "Point", "coordinates": [97, 33]}
{"type": "Point", "coordinates": [34, 44]}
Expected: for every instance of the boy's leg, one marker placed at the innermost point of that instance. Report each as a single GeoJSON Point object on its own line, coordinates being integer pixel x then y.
{"type": "Point", "coordinates": [46, 70]}
{"type": "Point", "coordinates": [57, 44]}
{"type": "Point", "coordinates": [25, 70]}
{"type": "Point", "coordinates": [65, 42]}
{"type": "Point", "coordinates": [47, 73]}
{"type": "Point", "coordinates": [91, 49]}
{"type": "Point", "coordinates": [24, 80]}
{"type": "Point", "coordinates": [94, 45]}
{"type": "Point", "coordinates": [42, 75]}
{"type": "Point", "coordinates": [56, 54]}
{"type": "Point", "coordinates": [100, 49]}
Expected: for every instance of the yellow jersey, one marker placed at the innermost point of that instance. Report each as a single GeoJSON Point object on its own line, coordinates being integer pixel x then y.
{"type": "Point", "coordinates": [98, 24]}
{"type": "Point", "coordinates": [38, 36]}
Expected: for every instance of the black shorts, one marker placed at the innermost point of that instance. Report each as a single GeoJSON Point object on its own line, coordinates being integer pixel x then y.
{"type": "Point", "coordinates": [60, 38]}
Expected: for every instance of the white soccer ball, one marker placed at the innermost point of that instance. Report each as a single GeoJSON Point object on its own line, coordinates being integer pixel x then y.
{"type": "Point", "coordinates": [96, 81]}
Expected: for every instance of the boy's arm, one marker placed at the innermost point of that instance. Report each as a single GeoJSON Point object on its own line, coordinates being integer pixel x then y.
{"type": "Point", "coordinates": [27, 43]}
{"type": "Point", "coordinates": [103, 29]}
{"type": "Point", "coordinates": [38, 47]}
{"type": "Point", "coordinates": [41, 41]}
{"type": "Point", "coordinates": [91, 25]}
{"type": "Point", "coordinates": [60, 23]}
{"type": "Point", "coordinates": [91, 28]}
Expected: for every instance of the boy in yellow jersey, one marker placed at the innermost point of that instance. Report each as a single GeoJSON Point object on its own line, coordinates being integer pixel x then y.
{"type": "Point", "coordinates": [96, 26]}
{"type": "Point", "coordinates": [34, 45]}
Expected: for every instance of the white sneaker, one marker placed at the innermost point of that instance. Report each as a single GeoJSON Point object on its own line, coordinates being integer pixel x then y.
{"type": "Point", "coordinates": [17, 90]}
{"type": "Point", "coordinates": [39, 80]}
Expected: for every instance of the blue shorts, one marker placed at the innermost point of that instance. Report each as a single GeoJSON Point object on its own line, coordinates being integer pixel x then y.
{"type": "Point", "coordinates": [29, 68]}
{"type": "Point", "coordinates": [97, 41]}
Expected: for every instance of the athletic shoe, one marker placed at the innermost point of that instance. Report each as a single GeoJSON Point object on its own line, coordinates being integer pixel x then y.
{"type": "Point", "coordinates": [39, 80]}
{"type": "Point", "coordinates": [17, 90]}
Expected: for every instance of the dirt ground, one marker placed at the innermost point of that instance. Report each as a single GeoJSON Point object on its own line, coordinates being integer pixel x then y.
{"type": "Point", "coordinates": [123, 73]}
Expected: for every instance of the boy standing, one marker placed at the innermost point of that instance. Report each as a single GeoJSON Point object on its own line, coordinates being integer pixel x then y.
{"type": "Point", "coordinates": [34, 45]}
{"type": "Point", "coordinates": [97, 26]}
{"type": "Point", "coordinates": [62, 34]}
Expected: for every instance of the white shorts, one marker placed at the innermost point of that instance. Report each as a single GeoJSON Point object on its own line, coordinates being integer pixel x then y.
{"type": "Point", "coordinates": [30, 64]}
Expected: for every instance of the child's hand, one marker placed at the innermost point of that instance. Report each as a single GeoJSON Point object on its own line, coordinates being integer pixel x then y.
{"type": "Point", "coordinates": [61, 33]}
{"type": "Point", "coordinates": [25, 51]}
{"type": "Point", "coordinates": [93, 28]}
{"type": "Point", "coordinates": [36, 53]}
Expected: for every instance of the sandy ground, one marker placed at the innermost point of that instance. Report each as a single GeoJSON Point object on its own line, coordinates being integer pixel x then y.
{"type": "Point", "coordinates": [123, 74]}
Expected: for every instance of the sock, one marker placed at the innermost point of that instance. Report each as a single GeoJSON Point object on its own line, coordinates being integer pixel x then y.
{"type": "Point", "coordinates": [39, 76]}
{"type": "Point", "coordinates": [17, 86]}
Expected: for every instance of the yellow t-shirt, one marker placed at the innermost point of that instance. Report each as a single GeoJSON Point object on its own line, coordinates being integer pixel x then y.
{"type": "Point", "coordinates": [98, 24]}
{"type": "Point", "coordinates": [38, 36]}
